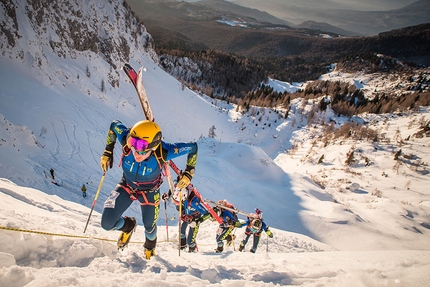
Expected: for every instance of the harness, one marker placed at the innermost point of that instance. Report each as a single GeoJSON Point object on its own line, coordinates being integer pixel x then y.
{"type": "Point", "coordinates": [187, 218]}
{"type": "Point", "coordinates": [134, 192]}
{"type": "Point", "coordinates": [249, 230]}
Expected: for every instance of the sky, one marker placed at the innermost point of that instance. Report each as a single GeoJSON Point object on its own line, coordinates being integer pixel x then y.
{"type": "Point", "coordinates": [363, 5]}
{"type": "Point", "coordinates": [333, 225]}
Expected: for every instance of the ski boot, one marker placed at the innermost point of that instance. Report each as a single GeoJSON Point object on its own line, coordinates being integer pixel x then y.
{"type": "Point", "coordinates": [192, 249]}
{"type": "Point", "coordinates": [241, 247]}
{"type": "Point", "coordinates": [149, 253]}
{"type": "Point", "coordinates": [230, 239]}
{"type": "Point", "coordinates": [219, 249]}
{"type": "Point", "coordinates": [183, 244]}
{"type": "Point", "coordinates": [150, 248]}
{"type": "Point", "coordinates": [129, 227]}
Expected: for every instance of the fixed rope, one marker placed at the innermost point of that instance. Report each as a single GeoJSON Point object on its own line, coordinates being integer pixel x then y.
{"type": "Point", "coordinates": [62, 235]}
{"type": "Point", "coordinates": [76, 236]}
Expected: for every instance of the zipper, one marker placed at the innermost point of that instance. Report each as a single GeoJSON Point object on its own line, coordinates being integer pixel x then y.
{"type": "Point", "coordinates": [137, 171]}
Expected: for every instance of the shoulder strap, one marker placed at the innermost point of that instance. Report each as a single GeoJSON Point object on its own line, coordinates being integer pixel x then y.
{"type": "Point", "coordinates": [161, 154]}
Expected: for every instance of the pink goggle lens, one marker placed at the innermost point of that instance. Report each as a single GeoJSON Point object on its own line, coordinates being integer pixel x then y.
{"type": "Point", "coordinates": [138, 144]}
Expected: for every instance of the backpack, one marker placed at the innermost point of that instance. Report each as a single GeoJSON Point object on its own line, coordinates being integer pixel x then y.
{"type": "Point", "coordinates": [230, 209]}
{"type": "Point", "coordinates": [255, 225]}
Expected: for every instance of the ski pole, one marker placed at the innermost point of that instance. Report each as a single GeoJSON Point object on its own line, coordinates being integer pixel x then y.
{"type": "Point", "coordinates": [167, 221]}
{"type": "Point", "coordinates": [95, 200]}
{"type": "Point", "coordinates": [233, 236]}
{"type": "Point", "coordinates": [180, 220]}
{"type": "Point", "coordinates": [171, 188]}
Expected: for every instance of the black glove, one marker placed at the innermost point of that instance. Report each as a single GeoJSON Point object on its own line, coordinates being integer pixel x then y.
{"type": "Point", "coordinates": [106, 160]}
{"type": "Point", "coordinates": [165, 197]}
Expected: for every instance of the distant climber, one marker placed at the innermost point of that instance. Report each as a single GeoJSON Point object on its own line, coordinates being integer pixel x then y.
{"type": "Point", "coordinates": [84, 191]}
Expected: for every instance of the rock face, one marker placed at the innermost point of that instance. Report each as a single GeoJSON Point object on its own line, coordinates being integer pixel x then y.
{"type": "Point", "coordinates": [34, 29]}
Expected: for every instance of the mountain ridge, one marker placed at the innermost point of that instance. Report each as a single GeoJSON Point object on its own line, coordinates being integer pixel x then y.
{"type": "Point", "coordinates": [281, 50]}
{"type": "Point", "coordinates": [369, 23]}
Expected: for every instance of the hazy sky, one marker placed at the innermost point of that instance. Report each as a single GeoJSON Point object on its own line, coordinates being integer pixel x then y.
{"type": "Point", "coordinates": [359, 5]}
{"type": "Point", "coordinates": [339, 4]}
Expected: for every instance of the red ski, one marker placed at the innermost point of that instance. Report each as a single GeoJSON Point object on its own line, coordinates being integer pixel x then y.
{"type": "Point", "coordinates": [200, 197]}
{"type": "Point", "coordinates": [136, 79]}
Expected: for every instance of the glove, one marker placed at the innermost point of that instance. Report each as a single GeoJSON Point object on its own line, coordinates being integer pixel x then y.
{"type": "Point", "coordinates": [238, 224]}
{"type": "Point", "coordinates": [269, 233]}
{"type": "Point", "coordinates": [106, 160]}
{"type": "Point", "coordinates": [184, 179]}
{"type": "Point", "coordinates": [165, 197]}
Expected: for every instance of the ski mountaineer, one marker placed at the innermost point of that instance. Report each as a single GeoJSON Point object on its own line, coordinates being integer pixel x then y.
{"type": "Point", "coordinates": [193, 214]}
{"type": "Point", "coordinates": [142, 161]}
{"type": "Point", "coordinates": [230, 221]}
{"type": "Point", "coordinates": [255, 225]}
{"type": "Point", "coordinates": [84, 191]}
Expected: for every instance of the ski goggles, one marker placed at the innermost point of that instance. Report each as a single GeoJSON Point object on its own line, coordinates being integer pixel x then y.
{"type": "Point", "coordinates": [137, 143]}
{"type": "Point", "coordinates": [141, 146]}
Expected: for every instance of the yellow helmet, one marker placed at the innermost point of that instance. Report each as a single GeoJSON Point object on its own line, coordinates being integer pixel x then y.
{"type": "Point", "coordinates": [147, 131]}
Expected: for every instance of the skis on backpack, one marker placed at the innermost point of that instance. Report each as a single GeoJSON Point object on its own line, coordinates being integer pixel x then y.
{"type": "Point", "coordinates": [207, 206]}
{"type": "Point", "coordinates": [235, 210]}
{"type": "Point", "coordinates": [136, 79]}
{"type": "Point", "coordinates": [199, 196]}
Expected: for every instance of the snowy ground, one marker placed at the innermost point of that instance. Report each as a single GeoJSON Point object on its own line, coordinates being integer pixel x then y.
{"type": "Point", "coordinates": [72, 258]}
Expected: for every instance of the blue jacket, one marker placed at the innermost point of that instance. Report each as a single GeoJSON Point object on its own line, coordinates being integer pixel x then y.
{"type": "Point", "coordinates": [147, 174]}
{"type": "Point", "coordinates": [193, 207]}
{"type": "Point", "coordinates": [229, 218]}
